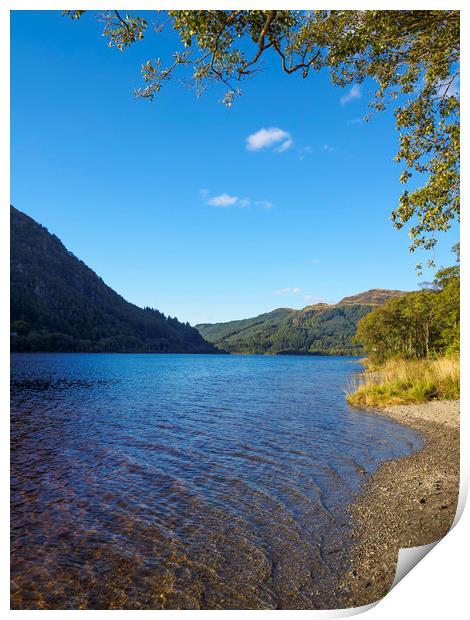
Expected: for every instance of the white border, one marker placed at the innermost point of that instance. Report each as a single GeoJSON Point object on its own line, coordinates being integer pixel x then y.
{"type": "Point", "coordinates": [438, 585]}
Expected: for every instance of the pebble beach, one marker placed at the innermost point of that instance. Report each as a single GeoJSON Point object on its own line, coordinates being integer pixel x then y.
{"type": "Point", "coordinates": [408, 502]}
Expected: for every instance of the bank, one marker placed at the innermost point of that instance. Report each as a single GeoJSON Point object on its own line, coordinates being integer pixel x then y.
{"type": "Point", "coordinates": [408, 502]}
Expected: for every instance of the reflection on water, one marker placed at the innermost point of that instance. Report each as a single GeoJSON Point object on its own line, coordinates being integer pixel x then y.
{"type": "Point", "coordinates": [185, 481]}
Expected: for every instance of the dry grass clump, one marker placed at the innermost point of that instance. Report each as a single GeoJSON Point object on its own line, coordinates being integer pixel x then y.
{"type": "Point", "coordinates": [401, 382]}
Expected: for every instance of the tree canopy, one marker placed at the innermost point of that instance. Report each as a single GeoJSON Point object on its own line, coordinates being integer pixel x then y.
{"type": "Point", "coordinates": [421, 324]}
{"type": "Point", "coordinates": [412, 56]}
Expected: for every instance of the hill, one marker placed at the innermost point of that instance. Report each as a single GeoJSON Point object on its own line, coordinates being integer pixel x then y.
{"type": "Point", "coordinates": [60, 304]}
{"type": "Point", "coordinates": [374, 297]}
{"type": "Point", "coordinates": [320, 329]}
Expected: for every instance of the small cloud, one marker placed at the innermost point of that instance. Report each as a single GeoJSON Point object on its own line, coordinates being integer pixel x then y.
{"type": "Point", "coordinates": [454, 90]}
{"type": "Point", "coordinates": [312, 261]}
{"type": "Point", "coordinates": [351, 95]}
{"type": "Point", "coordinates": [449, 89]}
{"type": "Point", "coordinates": [267, 138]}
{"type": "Point", "coordinates": [304, 152]}
{"type": "Point", "coordinates": [355, 121]}
{"type": "Point", "coordinates": [287, 291]}
{"type": "Point", "coordinates": [284, 146]}
{"type": "Point", "coordinates": [224, 200]}
{"type": "Point", "coordinates": [314, 299]}
{"type": "Point", "coordinates": [328, 148]}
{"type": "Point", "coordinates": [264, 204]}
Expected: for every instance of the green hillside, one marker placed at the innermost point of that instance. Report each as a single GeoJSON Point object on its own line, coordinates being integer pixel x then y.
{"type": "Point", "coordinates": [318, 329]}
{"type": "Point", "coordinates": [60, 304]}
{"type": "Point", "coordinates": [245, 328]}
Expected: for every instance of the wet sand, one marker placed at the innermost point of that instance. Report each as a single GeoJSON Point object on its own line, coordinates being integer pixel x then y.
{"type": "Point", "coordinates": [408, 502]}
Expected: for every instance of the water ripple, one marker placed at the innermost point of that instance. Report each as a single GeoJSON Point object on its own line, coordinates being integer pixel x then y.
{"type": "Point", "coordinates": [186, 482]}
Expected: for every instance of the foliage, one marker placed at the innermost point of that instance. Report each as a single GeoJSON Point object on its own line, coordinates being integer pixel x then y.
{"type": "Point", "coordinates": [412, 56]}
{"type": "Point", "coordinates": [421, 324]}
{"type": "Point", "coordinates": [404, 381]}
{"type": "Point", "coordinates": [60, 304]}
{"type": "Point", "coordinates": [320, 329]}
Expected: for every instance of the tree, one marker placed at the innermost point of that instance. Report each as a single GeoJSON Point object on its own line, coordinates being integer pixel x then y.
{"type": "Point", "coordinates": [421, 324]}
{"type": "Point", "coordinates": [413, 56]}
{"type": "Point", "coordinates": [447, 282]}
{"type": "Point", "coordinates": [448, 275]}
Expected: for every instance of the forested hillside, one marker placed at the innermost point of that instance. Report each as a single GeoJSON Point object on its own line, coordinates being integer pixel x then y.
{"type": "Point", "coordinates": [318, 329]}
{"type": "Point", "coordinates": [60, 304]}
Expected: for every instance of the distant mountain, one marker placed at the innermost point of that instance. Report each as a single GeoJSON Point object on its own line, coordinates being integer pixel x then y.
{"type": "Point", "coordinates": [374, 297]}
{"type": "Point", "coordinates": [60, 304]}
{"type": "Point", "coordinates": [244, 328]}
{"type": "Point", "coordinates": [321, 329]}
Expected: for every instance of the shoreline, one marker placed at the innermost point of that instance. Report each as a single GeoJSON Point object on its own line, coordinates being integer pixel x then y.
{"type": "Point", "coordinates": [408, 502]}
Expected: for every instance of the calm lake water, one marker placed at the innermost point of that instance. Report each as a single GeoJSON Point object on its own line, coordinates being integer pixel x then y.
{"type": "Point", "coordinates": [186, 481]}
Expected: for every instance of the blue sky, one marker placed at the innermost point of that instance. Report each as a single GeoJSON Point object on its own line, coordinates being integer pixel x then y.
{"type": "Point", "coordinates": [205, 213]}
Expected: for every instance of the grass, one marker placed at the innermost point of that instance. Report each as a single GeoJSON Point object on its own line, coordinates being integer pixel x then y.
{"type": "Point", "coordinates": [401, 382]}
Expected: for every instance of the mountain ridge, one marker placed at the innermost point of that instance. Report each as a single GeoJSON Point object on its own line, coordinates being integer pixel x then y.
{"type": "Point", "coordinates": [372, 297]}
{"type": "Point", "coordinates": [317, 329]}
{"type": "Point", "coordinates": [58, 303]}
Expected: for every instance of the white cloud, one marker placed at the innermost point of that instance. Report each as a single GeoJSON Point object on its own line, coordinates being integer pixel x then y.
{"type": "Point", "coordinates": [304, 151]}
{"type": "Point", "coordinates": [351, 95]}
{"type": "Point", "coordinates": [284, 146]}
{"type": "Point", "coordinates": [454, 90]}
{"type": "Point", "coordinates": [355, 121]}
{"type": "Point", "coordinates": [227, 200]}
{"type": "Point", "coordinates": [224, 200]}
{"type": "Point", "coordinates": [312, 261]}
{"type": "Point", "coordinates": [287, 291]}
{"type": "Point", "coordinates": [449, 90]}
{"type": "Point", "coordinates": [267, 138]}
{"type": "Point", "coordinates": [328, 148]}
{"type": "Point", "coordinates": [265, 204]}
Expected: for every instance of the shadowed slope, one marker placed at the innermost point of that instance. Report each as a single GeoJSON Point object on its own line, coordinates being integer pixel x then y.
{"type": "Point", "coordinates": [60, 304]}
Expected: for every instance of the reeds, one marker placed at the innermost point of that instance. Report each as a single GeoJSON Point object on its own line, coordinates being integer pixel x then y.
{"type": "Point", "coordinates": [402, 381]}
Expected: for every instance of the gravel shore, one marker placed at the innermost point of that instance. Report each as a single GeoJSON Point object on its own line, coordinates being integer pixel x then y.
{"type": "Point", "coordinates": [407, 502]}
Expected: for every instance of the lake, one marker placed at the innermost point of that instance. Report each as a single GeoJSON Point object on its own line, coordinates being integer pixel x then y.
{"type": "Point", "coordinates": [186, 481]}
